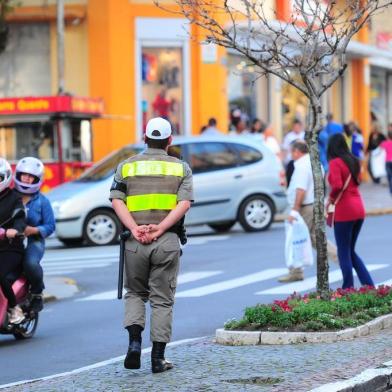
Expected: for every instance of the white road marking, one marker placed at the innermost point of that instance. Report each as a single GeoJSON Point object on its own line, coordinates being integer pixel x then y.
{"type": "Point", "coordinates": [78, 256]}
{"type": "Point", "coordinates": [95, 365]}
{"type": "Point", "coordinates": [77, 265]}
{"type": "Point", "coordinates": [204, 239]}
{"type": "Point", "coordinates": [59, 273]}
{"type": "Point", "coordinates": [232, 283]}
{"type": "Point", "coordinates": [310, 283]}
{"type": "Point", "coordinates": [186, 277]}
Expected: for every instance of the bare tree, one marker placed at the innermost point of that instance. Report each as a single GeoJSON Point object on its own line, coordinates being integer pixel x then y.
{"type": "Point", "coordinates": [308, 52]}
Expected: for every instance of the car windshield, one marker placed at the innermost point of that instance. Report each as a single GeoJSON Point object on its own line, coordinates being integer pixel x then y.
{"type": "Point", "coordinates": [107, 166]}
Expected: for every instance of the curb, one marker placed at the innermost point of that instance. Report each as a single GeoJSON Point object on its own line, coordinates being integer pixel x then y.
{"type": "Point", "coordinates": [378, 379]}
{"type": "Point", "coordinates": [254, 338]}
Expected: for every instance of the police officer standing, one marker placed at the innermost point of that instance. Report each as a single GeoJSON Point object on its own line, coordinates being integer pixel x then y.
{"type": "Point", "coordinates": [151, 193]}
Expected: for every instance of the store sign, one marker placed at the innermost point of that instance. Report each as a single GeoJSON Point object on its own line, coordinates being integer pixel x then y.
{"type": "Point", "coordinates": [50, 105]}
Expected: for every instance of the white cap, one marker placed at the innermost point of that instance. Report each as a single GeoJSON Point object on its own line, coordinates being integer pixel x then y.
{"type": "Point", "coordinates": [158, 128]}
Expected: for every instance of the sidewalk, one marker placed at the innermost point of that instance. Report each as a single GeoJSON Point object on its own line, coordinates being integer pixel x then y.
{"type": "Point", "coordinates": [377, 198]}
{"type": "Point", "coordinates": [204, 366]}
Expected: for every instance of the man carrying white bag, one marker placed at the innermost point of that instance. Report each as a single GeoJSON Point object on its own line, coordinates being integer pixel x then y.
{"type": "Point", "coordinates": [300, 228]}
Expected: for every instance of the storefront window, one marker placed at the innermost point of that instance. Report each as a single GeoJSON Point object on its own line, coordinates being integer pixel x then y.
{"type": "Point", "coordinates": [33, 139]}
{"type": "Point", "coordinates": [378, 96]}
{"type": "Point", "coordinates": [76, 140]}
{"type": "Point", "coordinates": [162, 86]}
{"type": "Point", "coordinates": [241, 86]}
{"type": "Point", "coordinates": [294, 106]}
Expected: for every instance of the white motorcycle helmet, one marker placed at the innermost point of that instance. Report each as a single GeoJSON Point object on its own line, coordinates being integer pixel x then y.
{"type": "Point", "coordinates": [34, 167]}
{"type": "Point", "coordinates": [5, 174]}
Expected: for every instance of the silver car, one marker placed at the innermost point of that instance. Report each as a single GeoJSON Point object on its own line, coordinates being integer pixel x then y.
{"type": "Point", "coordinates": [236, 179]}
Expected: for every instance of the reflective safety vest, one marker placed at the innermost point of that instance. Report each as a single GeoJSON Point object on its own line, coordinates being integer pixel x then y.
{"type": "Point", "coordinates": [152, 186]}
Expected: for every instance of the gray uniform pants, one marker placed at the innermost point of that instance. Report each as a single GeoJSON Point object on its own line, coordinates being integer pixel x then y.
{"type": "Point", "coordinates": [151, 274]}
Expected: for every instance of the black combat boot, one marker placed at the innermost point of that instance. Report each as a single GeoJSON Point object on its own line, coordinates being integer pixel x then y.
{"type": "Point", "coordinates": [158, 361]}
{"type": "Point", "coordinates": [132, 360]}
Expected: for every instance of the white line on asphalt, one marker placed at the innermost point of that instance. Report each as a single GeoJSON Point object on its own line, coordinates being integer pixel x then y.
{"type": "Point", "coordinates": [68, 264]}
{"type": "Point", "coordinates": [95, 365]}
{"type": "Point", "coordinates": [310, 283]}
{"type": "Point", "coordinates": [186, 277]}
{"type": "Point", "coordinates": [232, 283]}
{"type": "Point", "coordinates": [81, 257]}
{"type": "Point", "coordinates": [385, 283]}
{"type": "Point", "coordinates": [204, 239]}
{"type": "Point", "coordinates": [56, 273]}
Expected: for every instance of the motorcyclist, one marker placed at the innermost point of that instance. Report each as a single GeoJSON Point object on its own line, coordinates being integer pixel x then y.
{"type": "Point", "coordinates": [11, 245]}
{"type": "Point", "coordinates": [28, 179]}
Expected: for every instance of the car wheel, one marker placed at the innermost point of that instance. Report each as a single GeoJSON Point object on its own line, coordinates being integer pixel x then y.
{"type": "Point", "coordinates": [72, 241]}
{"type": "Point", "coordinates": [222, 227]}
{"type": "Point", "coordinates": [256, 213]}
{"type": "Point", "coordinates": [101, 227]}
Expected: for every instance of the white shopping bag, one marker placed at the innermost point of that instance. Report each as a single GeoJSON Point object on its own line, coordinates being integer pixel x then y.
{"type": "Point", "coordinates": [298, 249]}
{"type": "Point", "coordinates": [377, 163]}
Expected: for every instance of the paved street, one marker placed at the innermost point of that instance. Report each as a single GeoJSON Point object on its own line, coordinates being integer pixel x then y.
{"type": "Point", "coordinates": [220, 275]}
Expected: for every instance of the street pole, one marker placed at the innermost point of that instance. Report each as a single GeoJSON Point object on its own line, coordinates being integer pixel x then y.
{"type": "Point", "coordinates": [60, 46]}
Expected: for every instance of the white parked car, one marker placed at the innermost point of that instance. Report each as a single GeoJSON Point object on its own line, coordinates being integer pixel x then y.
{"type": "Point", "coordinates": [235, 179]}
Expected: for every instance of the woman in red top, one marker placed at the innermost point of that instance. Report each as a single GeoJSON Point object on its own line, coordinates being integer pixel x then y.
{"type": "Point", "coordinates": [349, 211]}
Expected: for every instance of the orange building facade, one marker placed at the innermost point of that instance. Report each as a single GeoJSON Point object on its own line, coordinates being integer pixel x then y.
{"type": "Point", "coordinates": [141, 60]}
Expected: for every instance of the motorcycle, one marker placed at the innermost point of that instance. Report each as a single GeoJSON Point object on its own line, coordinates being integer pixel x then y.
{"type": "Point", "coordinates": [28, 326]}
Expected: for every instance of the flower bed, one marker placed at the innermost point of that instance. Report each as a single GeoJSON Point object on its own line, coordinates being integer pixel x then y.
{"type": "Point", "coordinates": [346, 308]}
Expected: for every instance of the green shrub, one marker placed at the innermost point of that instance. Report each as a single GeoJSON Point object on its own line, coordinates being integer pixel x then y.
{"type": "Point", "coordinates": [346, 308]}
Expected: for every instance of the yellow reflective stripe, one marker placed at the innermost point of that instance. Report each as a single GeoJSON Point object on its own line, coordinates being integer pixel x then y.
{"type": "Point", "coordinates": [155, 201]}
{"type": "Point", "coordinates": [152, 168]}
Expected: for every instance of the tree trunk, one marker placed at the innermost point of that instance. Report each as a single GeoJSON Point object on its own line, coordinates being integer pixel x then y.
{"type": "Point", "coordinates": [313, 129]}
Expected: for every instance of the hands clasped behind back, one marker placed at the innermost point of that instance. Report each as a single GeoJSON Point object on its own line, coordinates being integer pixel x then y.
{"type": "Point", "coordinates": [146, 234]}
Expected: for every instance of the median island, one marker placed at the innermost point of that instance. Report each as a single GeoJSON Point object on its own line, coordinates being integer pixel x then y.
{"type": "Point", "coordinates": [347, 314]}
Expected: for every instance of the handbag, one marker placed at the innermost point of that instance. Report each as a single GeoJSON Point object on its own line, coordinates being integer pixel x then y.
{"type": "Point", "coordinates": [330, 214]}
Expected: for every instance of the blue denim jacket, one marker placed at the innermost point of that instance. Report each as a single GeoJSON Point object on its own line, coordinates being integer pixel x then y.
{"type": "Point", "coordinates": [40, 214]}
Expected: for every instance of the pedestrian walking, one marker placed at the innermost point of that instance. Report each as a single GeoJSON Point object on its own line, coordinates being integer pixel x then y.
{"type": "Point", "coordinates": [240, 127]}
{"type": "Point", "coordinates": [211, 129]}
{"type": "Point", "coordinates": [330, 129]}
{"type": "Point", "coordinates": [297, 132]}
{"type": "Point", "coordinates": [387, 146]}
{"type": "Point", "coordinates": [300, 194]}
{"type": "Point", "coordinates": [376, 137]}
{"type": "Point", "coordinates": [258, 126]}
{"type": "Point", "coordinates": [151, 193]}
{"type": "Point", "coordinates": [349, 211]}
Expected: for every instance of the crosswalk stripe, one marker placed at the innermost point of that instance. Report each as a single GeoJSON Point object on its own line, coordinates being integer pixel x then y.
{"type": "Point", "coordinates": [310, 283]}
{"type": "Point", "coordinates": [186, 277]}
{"type": "Point", "coordinates": [232, 283]}
{"type": "Point", "coordinates": [54, 273]}
{"type": "Point", "coordinates": [84, 257]}
{"type": "Point", "coordinates": [385, 283]}
{"type": "Point", "coordinates": [79, 264]}
{"type": "Point", "coordinates": [204, 239]}
{"type": "Point", "coordinates": [79, 267]}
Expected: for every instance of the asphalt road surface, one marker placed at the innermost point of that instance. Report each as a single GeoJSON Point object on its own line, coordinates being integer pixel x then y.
{"type": "Point", "coordinates": [220, 275]}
